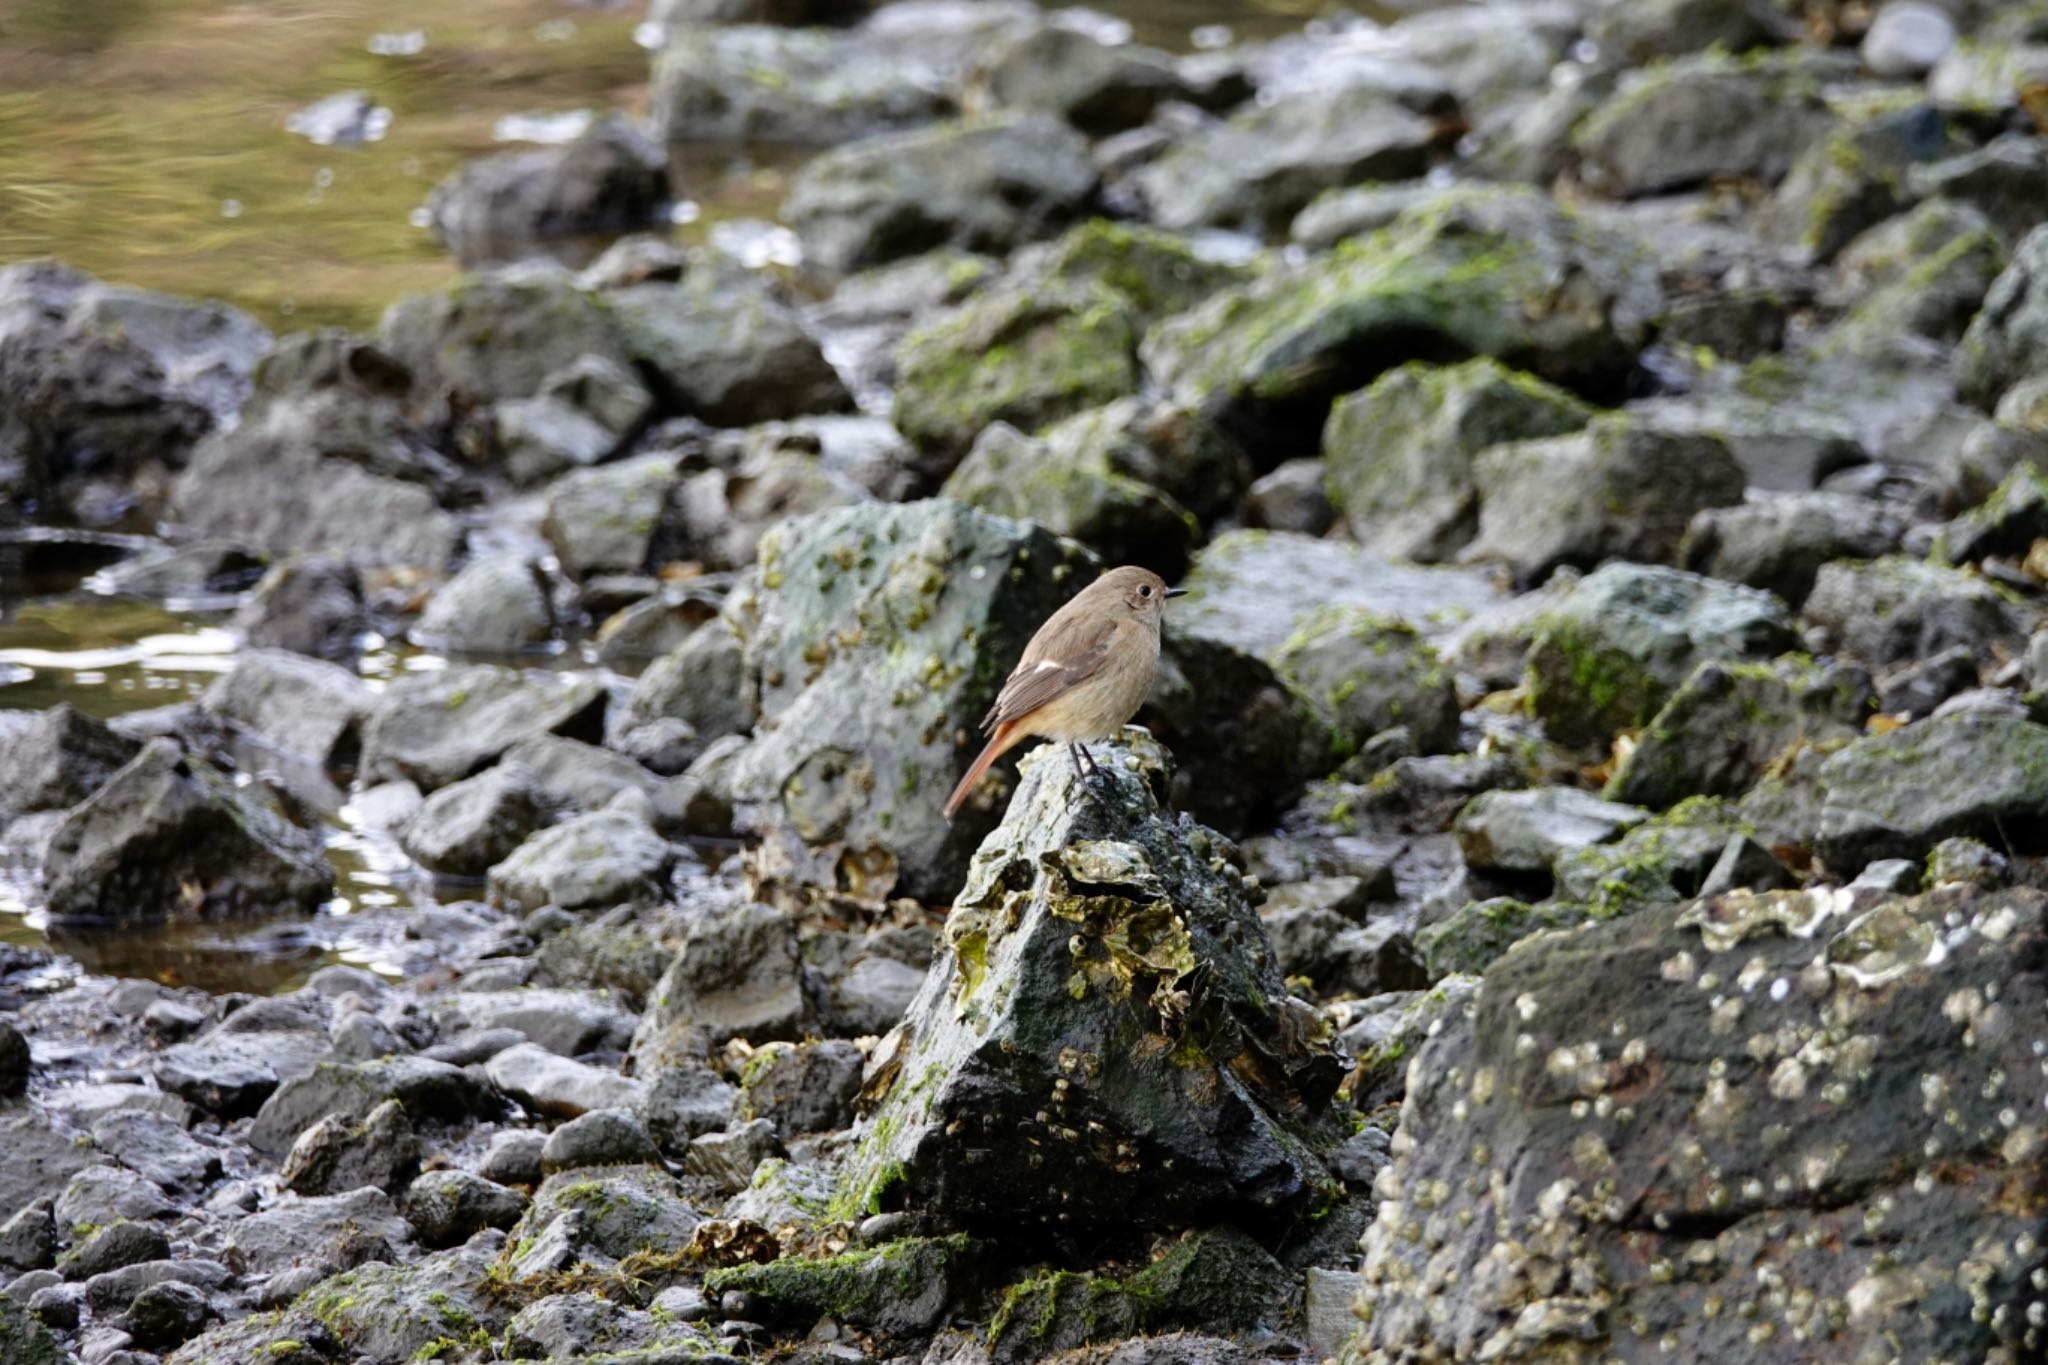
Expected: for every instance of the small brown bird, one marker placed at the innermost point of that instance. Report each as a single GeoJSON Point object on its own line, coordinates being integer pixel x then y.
{"type": "Point", "coordinates": [1082, 676]}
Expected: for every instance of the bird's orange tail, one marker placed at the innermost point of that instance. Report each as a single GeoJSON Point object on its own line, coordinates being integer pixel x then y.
{"type": "Point", "coordinates": [999, 743]}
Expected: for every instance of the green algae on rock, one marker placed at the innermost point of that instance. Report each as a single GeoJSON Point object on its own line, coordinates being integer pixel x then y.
{"type": "Point", "coordinates": [1104, 1043]}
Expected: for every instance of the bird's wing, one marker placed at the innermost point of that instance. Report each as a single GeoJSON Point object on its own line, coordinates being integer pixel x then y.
{"type": "Point", "coordinates": [1056, 661]}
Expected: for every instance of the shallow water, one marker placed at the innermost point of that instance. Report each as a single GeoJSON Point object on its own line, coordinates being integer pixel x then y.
{"type": "Point", "coordinates": [146, 141]}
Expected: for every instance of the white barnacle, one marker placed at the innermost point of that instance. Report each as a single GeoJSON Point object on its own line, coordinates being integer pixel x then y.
{"type": "Point", "coordinates": [1677, 967]}
{"type": "Point", "coordinates": [1525, 1006]}
{"type": "Point", "coordinates": [1788, 1081]}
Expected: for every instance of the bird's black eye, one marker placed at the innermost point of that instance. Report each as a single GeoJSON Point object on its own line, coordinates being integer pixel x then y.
{"type": "Point", "coordinates": [1145, 590]}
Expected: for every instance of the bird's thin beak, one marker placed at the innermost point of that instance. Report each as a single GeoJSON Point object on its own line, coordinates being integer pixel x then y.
{"type": "Point", "coordinates": [1176, 592]}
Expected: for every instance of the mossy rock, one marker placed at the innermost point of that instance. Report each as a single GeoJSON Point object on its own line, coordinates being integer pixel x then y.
{"type": "Point", "coordinates": [1399, 452]}
{"type": "Point", "coordinates": [1157, 272]}
{"type": "Point", "coordinates": [901, 1288]}
{"type": "Point", "coordinates": [1471, 272]}
{"type": "Point", "coordinates": [1369, 673]}
{"type": "Point", "coordinates": [1609, 655]}
{"type": "Point", "coordinates": [1470, 938]}
{"type": "Point", "coordinates": [1026, 354]}
{"type": "Point", "coordinates": [1727, 722]}
{"type": "Point", "coordinates": [1217, 1279]}
{"type": "Point", "coordinates": [1664, 859]}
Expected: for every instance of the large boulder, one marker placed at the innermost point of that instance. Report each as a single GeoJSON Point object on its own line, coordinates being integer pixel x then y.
{"type": "Point", "coordinates": [1104, 1043]}
{"type": "Point", "coordinates": [1470, 272]}
{"type": "Point", "coordinates": [102, 381]}
{"type": "Point", "coordinates": [1887, 610]}
{"type": "Point", "coordinates": [1608, 1154]}
{"type": "Point", "coordinates": [875, 638]}
{"type": "Point", "coordinates": [301, 705]}
{"type": "Point", "coordinates": [1399, 452]}
{"type": "Point", "coordinates": [1608, 655]}
{"type": "Point", "coordinates": [171, 837]}
{"type": "Point", "coordinates": [987, 185]}
{"type": "Point", "coordinates": [500, 336]}
{"type": "Point", "coordinates": [1779, 542]}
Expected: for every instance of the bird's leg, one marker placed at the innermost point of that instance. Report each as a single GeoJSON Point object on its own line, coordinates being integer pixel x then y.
{"type": "Point", "coordinates": [1074, 752]}
{"type": "Point", "coordinates": [1086, 773]}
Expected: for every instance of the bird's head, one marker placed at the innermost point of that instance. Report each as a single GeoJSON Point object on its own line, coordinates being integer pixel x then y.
{"type": "Point", "coordinates": [1139, 591]}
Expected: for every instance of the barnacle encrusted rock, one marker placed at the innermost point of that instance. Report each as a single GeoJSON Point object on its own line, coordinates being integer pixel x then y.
{"type": "Point", "coordinates": [1104, 1043]}
{"type": "Point", "coordinates": [1795, 1126]}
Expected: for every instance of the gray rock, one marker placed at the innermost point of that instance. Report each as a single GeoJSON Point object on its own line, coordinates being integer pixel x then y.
{"type": "Point", "coordinates": [157, 1148]}
{"type": "Point", "coordinates": [1779, 543]}
{"type": "Point", "coordinates": [339, 1154]}
{"type": "Point", "coordinates": [330, 1233]}
{"type": "Point", "coordinates": [595, 860]}
{"type": "Point", "coordinates": [1119, 876]}
{"type": "Point", "coordinates": [1623, 488]}
{"type": "Point", "coordinates": [1528, 831]}
{"type": "Point", "coordinates": [1934, 301]}
{"type": "Point", "coordinates": [608, 180]}
{"type": "Point", "coordinates": [1474, 936]}
{"type": "Point", "coordinates": [1368, 673]}
{"type": "Point", "coordinates": [231, 1075]}
{"type": "Point", "coordinates": [1886, 610]}
{"type": "Point", "coordinates": [376, 1311]}
{"type": "Point", "coordinates": [728, 1161]}
{"type": "Point", "coordinates": [83, 1104]}
{"type": "Point", "coordinates": [986, 186]}
{"type": "Point", "coordinates": [602, 1137]}
{"type": "Point", "coordinates": [1609, 654]}
{"type": "Point", "coordinates": [599, 1216]}
{"type": "Point", "coordinates": [1257, 170]}
{"type": "Point", "coordinates": [548, 1084]}
{"type": "Point", "coordinates": [513, 1158]}
{"type": "Point", "coordinates": [2007, 523]}
{"type": "Point", "coordinates": [437, 728]}
{"type": "Point", "coordinates": [28, 1239]}
{"type": "Point", "coordinates": [56, 758]}
{"type": "Point", "coordinates": [1028, 354]}
{"type": "Point", "coordinates": [1907, 38]}
{"type": "Point", "coordinates": [1704, 116]}
{"type": "Point", "coordinates": [446, 1208]}
{"type": "Point", "coordinates": [329, 474]}
{"type": "Point", "coordinates": [1097, 87]}
{"type": "Point", "coordinates": [101, 1195]}
{"type": "Point", "coordinates": [840, 774]}
{"type": "Point", "coordinates": [1400, 452]}
{"type": "Point", "coordinates": [723, 513]}
{"type": "Point", "coordinates": [1848, 1157]}
{"type": "Point", "coordinates": [614, 518]}
{"type": "Point", "coordinates": [1636, 34]}
{"type": "Point", "coordinates": [537, 439]}
{"type": "Point", "coordinates": [566, 1022]}
{"type": "Point", "coordinates": [684, 1102]}
{"type": "Point", "coordinates": [1726, 723]}
{"type": "Point", "coordinates": [737, 975]}
{"type": "Point", "coordinates": [801, 1087]}
{"type": "Point", "coordinates": [1291, 498]}
{"type": "Point", "coordinates": [1851, 178]}
{"type": "Point", "coordinates": [2009, 339]}
{"type": "Point", "coordinates": [1070, 482]}
{"type": "Point", "coordinates": [104, 381]}
{"type": "Point", "coordinates": [499, 336]}
{"type": "Point", "coordinates": [363, 1037]}
{"type": "Point", "coordinates": [1897, 795]}
{"type": "Point", "coordinates": [467, 827]}
{"type": "Point", "coordinates": [170, 837]}
{"type": "Point", "coordinates": [1469, 272]}
{"type": "Point", "coordinates": [302, 705]}
{"type": "Point", "coordinates": [789, 85]}
{"type": "Point", "coordinates": [1989, 77]}
{"type": "Point", "coordinates": [2003, 180]}
{"type": "Point", "coordinates": [1339, 957]}
{"type": "Point", "coordinates": [55, 1306]}
{"type": "Point", "coordinates": [726, 347]}
{"type": "Point", "coordinates": [428, 1091]}
{"type": "Point", "coordinates": [115, 1246]}
{"type": "Point", "coordinates": [498, 605]}
{"type": "Point", "coordinates": [869, 998]}
{"type": "Point", "coordinates": [902, 1289]}
{"type": "Point", "coordinates": [701, 683]}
